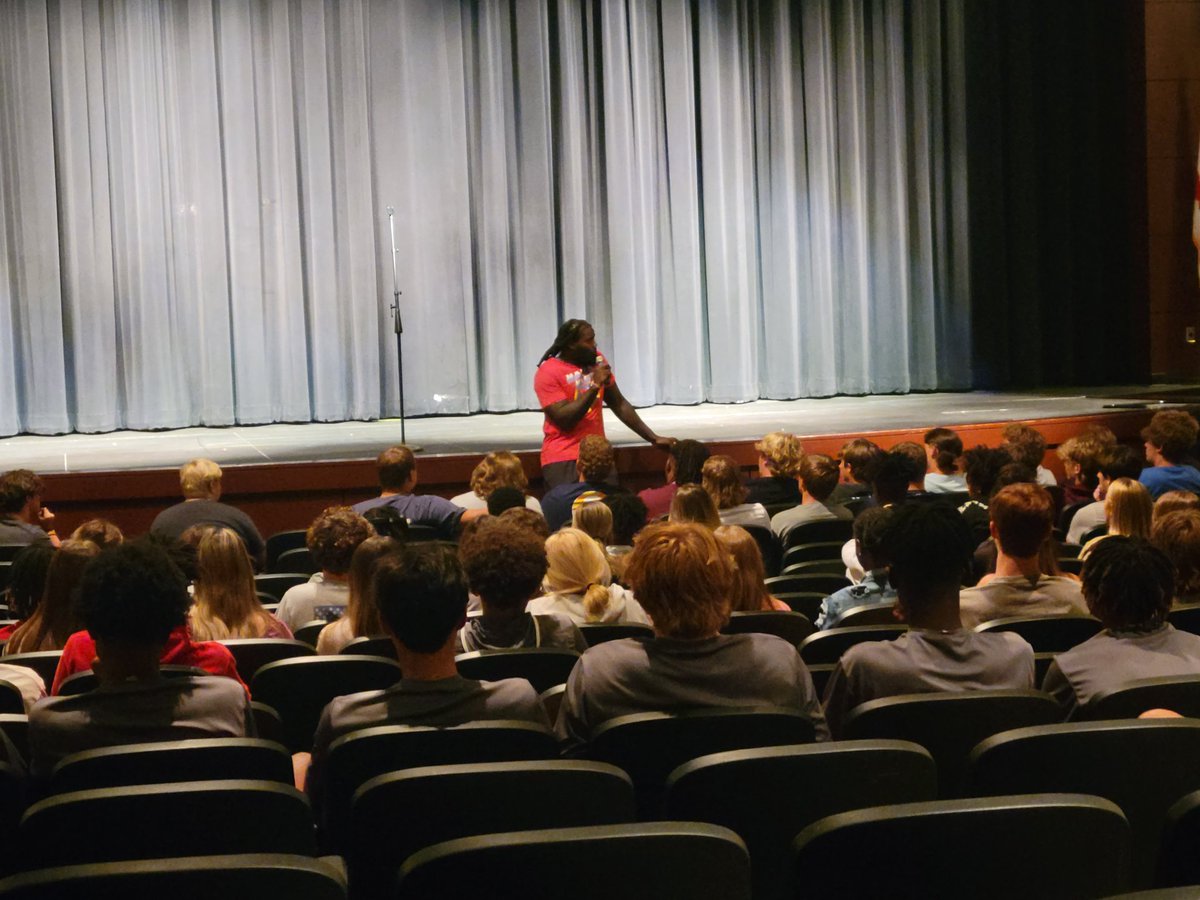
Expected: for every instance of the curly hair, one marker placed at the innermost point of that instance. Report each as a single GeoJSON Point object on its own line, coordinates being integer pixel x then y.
{"type": "Point", "coordinates": [1173, 432]}
{"type": "Point", "coordinates": [981, 467]}
{"type": "Point", "coordinates": [782, 452]}
{"type": "Point", "coordinates": [595, 458]}
{"type": "Point", "coordinates": [928, 547]}
{"type": "Point", "coordinates": [27, 577]}
{"type": "Point", "coordinates": [16, 487]}
{"type": "Point", "coordinates": [819, 475]}
{"type": "Point", "coordinates": [947, 447]}
{"type": "Point", "coordinates": [333, 537]}
{"type": "Point", "coordinates": [723, 481]}
{"type": "Point", "coordinates": [500, 468]}
{"type": "Point", "coordinates": [629, 516]}
{"type": "Point", "coordinates": [133, 593]}
{"type": "Point", "coordinates": [1128, 583]}
{"type": "Point", "coordinates": [1177, 534]}
{"type": "Point", "coordinates": [1174, 501]}
{"type": "Point", "coordinates": [1024, 444]}
{"type": "Point", "coordinates": [505, 563]}
{"type": "Point", "coordinates": [682, 578]}
{"type": "Point", "coordinates": [1085, 450]}
{"type": "Point", "coordinates": [870, 533]}
{"type": "Point", "coordinates": [529, 519]}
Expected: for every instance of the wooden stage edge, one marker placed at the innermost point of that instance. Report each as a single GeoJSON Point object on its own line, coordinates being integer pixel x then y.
{"type": "Point", "coordinates": [290, 495]}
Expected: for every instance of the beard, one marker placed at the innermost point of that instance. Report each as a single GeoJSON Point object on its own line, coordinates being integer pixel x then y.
{"type": "Point", "coordinates": [584, 357]}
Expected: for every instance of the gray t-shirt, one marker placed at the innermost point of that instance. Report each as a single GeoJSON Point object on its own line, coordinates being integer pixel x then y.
{"type": "Point", "coordinates": [1110, 659]}
{"type": "Point", "coordinates": [315, 599]}
{"type": "Point", "coordinates": [165, 709]}
{"type": "Point", "coordinates": [635, 675]}
{"type": "Point", "coordinates": [1016, 595]}
{"type": "Point", "coordinates": [783, 522]}
{"type": "Point", "coordinates": [15, 531]}
{"type": "Point", "coordinates": [923, 661]}
{"type": "Point", "coordinates": [1084, 520]}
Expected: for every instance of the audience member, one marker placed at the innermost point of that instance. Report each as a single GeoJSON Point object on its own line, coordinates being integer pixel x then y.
{"type": "Point", "coordinates": [870, 531]}
{"type": "Point", "coordinates": [505, 565]}
{"type": "Point", "coordinates": [1080, 456]}
{"type": "Point", "coordinates": [748, 590]}
{"type": "Point", "coordinates": [595, 464]}
{"type": "Point", "coordinates": [893, 475]}
{"type": "Point", "coordinates": [1128, 510]}
{"type": "Point", "coordinates": [226, 603]}
{"type": "Point", "coordinates": [101, 532]}
{"type": "Point", "coordinates": [1174, 501]}
{"type": "Point", "coordinates": [919, 464]}
{"type": "Point", "coordinates": [818, 478]}
{"type": "Point", "coordinates": [1027, 445]}
{"type": "Point", "coordinates": [26, 583]}
{"type": "Point", "coordinates": [578, 583]}
{"type": "Point", "coordinates": [692, 503]}
{"type": "Point", "coordinates": [928, 546]}
{"type": "Point", "coordinates": [529, 520]}
{"type": "Point", "coordinates": [506, 498]}
{"type": "Point", "coordinates": [1022, 516]}
{"type": "Point", "coordinates": [683, 466]}
{"type": "Point", "coordinates": [397, 469]}
{"type": "Point", "coordinates": [779, 459]}
{"type": "Point", "coordinates": [981, 469]}
{"type": "Point", "coordinates": [1128, 585]}
{"type": "Point", "coordinates": [421, 592]}
{"type": "Point", "coordinates": [1117, 462]}
{"type": "Point", "coordinates": [23, 519]}
{"type": "Point", "coordinates": [200, 482]}
{"type": "Point", "coordinates": [361, 618]}
{"type": "Point", "coordinates": [684, 578]}
{"type": "Point", "coordinates": [54, 619]}
{"type": "Point", "coordinates": [332, 539]}
{"type": "Point", "coordinates": [134, 602]}
{"type": "Point", "coordinates": [1170, 438]}
{"type": "Point", "coordinates": [1177, 534]}
{"type": "Point", "coordinates": [590, 515]}
{"type": "Point", "coordinates": [629, 516]}
{"type": "Point", "coordinates": [944, 450]}
{"type": "Point", "coordinates": [500, 468]}
{"type": "Point", "coordinates": [859, 457]}
{"type": "Point", "coordinates": [723, 481]}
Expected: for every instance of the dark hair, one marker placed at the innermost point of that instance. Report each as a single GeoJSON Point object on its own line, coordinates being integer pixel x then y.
{"type": "Point", "coordinates": [568, 333]}
{"type": "Point", "coordinates": [893, 475]}
{"type": "Point", "coordinates": [16, 487]}
{"type": "Point", "coordinates": [1023, 515]}
{"type": "Point", "coordinates": [981, 466]}
{"type": "Point", "coordinates": [629, 516]}
{"type": "Point", "coordinates": [503, 498]}
{"type": "Point", "coordinates": [1128, 583]}
{"type": "Point", "coordinates": [333, 537]}
{"type": "Point", "coordinates": [949, 447]}
{"type": "Point", "coordinates": [871, 531]}
{"type": "Point", "coordinates": [133, 593]}
{"type": "Point", "coordinates": [388, 522]}
{"type": "Point", "coordinates": [1122, 462]}
{"type": "Point", "coordinates": [1177, 534]}
{"type": "Point", "coordinates": [862, 456]}
{"type": "Point", "coordinates": [1014, 473]}
{"type": "Point", "coordinates": [421, 592]}
{"type": "Point", "coordinates": [529, 519]}
{"type": "Point", "coordinates": [928, 547]}
{"type": "Point", "coordinates": [504, 562]}
{"type": "Point", "coordinates": [689, 458]}
{"type": "Point", "coordinates": [55, 618]}
{"type": "Point", "coordinates": [819, 474]}
{"type": "Point", "coordinates": [1173, 432]}
{"type": "Point", "coordinates": [395, 465]}
{"type": "Point", "coordinates": [100, 532]}
{"type": "Point", "coordinates": [1024, 444]}
{"type": "Point", "coordinates": [27, 577]}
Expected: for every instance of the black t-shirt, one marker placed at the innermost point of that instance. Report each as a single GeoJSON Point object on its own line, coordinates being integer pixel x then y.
{"type": "Point", "coordinates": [175, 520]}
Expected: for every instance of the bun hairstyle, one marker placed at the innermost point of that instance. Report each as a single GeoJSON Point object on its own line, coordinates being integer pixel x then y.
{"type": "Point", "coordinates": [947, 447]}
{"type": "Point", "coordinates": [576, 565]}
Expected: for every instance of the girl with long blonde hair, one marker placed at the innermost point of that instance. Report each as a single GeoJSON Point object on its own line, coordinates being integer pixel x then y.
{"type": "Point", "coordinates": [1129, 510]}
{"type": "Point", "coordinates": [578, 583]}
{"type": "Point", "coordinates": [226, 604]}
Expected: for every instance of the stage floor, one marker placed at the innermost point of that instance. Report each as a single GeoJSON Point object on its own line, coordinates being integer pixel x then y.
{"type": "Point", "coordinates": [456, 435]}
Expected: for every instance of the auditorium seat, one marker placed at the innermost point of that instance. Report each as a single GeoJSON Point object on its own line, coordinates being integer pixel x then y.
{"type": "Point", "coordinates": [793, 627]}
{"type": "Point", "coordinates": [828, 646]}
{"type": "Point", "coordinates": [154, 821]}
{"type": "Point", "coordinates": [12, 701]}
{"type": "Point", "coordinates": [357, 757]}
{"type": "Point", "coordinates": [807, 603]}
{"type": "Point", "coordinates": [8, 552]}
{"type": "Point", "coordinates": [819, 532]}
{"type": "Point", "coordinates": [821, 550]}
{"type": "Point", "coordinates": [253, 875]}
{"type": "Point", "coordinates": [825, 584]}
{"type": "Point", "coordinates": [599, 632]}
{"type": "Point", "coordinates": [769, 546]}
{"type": "Point", "coordinates": [309, 632]}
{"type": "Point", "coordinates": [1047, 846]}
{"type": "Point", "coordinates": [278, 583]}
{"type": "Point", "coordinates": [5, 574]}
{"type": "Point", "coordinates": [1070, 565]}
{"type": "Point", "coordinates": [1047, 634]}
{"type": "Point", "coordinates": [1180, 693]}
{"type": "Point", "coordinates": [82, 682]}
{"type": "Point", "coordinates": [44, 662]}
{"type": "Point", "coordinates": [267, 724]}
{"type": "Point", "coordinates": [422, 533]}
{"type": "Point", "coordinates": [299, 689]}
{"type": "Point", "coordinates": [370, 646]}
{"type": "Point", "coordinates": [16, 729]}
{"type": "Point", "coordinates": [1179, 863]}
{"type": "Point", "coordinates": [1143, 766]}
{"type": "Point", "coordinates": [658, 859]}
{"type": "Point", "coordinates": [1185, 617]}
{"type": "Point", "coordinates": [542, 667]}
{"type": "Point", "coordinates": [949, 725]}
{"type": "Point", "coordinates": [458, 801]}
{"type": "Point", "coordinates": [551, 699]}
{"type": "Point", "coordinates": [820, 675]}
{"type": "Point", "coordinates": [828, 567]}
{"type": "Point", "coordinates": [282, 541]}
{"type": "Point", "coordinates": [200, 759]}
{"type": "Point", "coordinates": [769, 795]}
{"type": "Point", "coordinates": [649, 746]}
{"type": "Point", "coordinates": [871, 614]}
{"type": "Point", "coordinates": [298, 559]}
{"type": "Point", "coordinates": [251, 654]}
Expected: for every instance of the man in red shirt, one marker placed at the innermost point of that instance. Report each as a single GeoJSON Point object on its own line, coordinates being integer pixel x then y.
{"type": "Point", "coordinates": [573, 382]}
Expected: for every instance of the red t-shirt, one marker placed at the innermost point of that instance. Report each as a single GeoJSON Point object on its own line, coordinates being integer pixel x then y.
{"type": "Point", "coordinates": [181, 650]}
{"type": "Point", "coordinates": [558, 380]}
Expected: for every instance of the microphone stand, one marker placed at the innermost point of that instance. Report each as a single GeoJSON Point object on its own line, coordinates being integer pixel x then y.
{"type": "Point", "coordinates": [397, 324]}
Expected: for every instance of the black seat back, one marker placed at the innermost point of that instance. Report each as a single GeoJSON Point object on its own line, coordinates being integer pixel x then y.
{"type": "Point", "coordinates": [822, 531]}
{"type": "Point", "coordinates": [370, 646]}
{"type": "Point", "coordinates": [1048, 634]}
{"type": "Point", "coordinates": [829, 645]}
{"type": "Point", "coordinates": [251, 654]}
{"type": "Point", "coordinates": [543, 667]}
{"type": "Point", "coordinates": [1180, 693]}
{"type": "Point", "coordinates": [793, 627]}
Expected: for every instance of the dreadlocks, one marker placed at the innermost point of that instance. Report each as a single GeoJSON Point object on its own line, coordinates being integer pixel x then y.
{"type": "Point", "coordinates": [568, 334]}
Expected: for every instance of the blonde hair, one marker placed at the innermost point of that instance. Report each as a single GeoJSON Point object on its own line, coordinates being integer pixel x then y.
{"type": "Point", "coordinates": [500, 468]}
{"type": "Point", "coordinates": [198, 479]}
{"type": "Point", "coordinates": [747, 590]}
{"type": "Point", "coordinates": [682, 577]}
{"type": "Point", "coordinates": [721, 478]}
{"type": "Point", "coordinates": [576, 565]}
{"type": "Point", "coordinates": [1128, 508]}
{"type": "Point", "coordinates": [594, 519]}
{"type": "Point", "coordinates": [783, 453]}
{"type": "Point", "coordinates": [226, 605]}
{"type": "Point", "coordinates": [692, 503]}
{"type": "Point", "coordinates": [54, 619]}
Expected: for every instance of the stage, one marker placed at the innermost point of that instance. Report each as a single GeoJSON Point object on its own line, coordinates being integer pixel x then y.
{"type": "Point", "coordinates": [283, 474]}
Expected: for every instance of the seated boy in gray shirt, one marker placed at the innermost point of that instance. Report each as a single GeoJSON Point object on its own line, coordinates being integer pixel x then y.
{"type": "Point", "coordinates": [929, 547]}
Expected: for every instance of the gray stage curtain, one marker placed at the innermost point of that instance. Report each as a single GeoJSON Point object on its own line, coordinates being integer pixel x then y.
{"type": "Point", "coordinates": [748, 199]}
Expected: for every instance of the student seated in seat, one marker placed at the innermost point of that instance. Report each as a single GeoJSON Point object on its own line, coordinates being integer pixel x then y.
{"type": "Point", "coordinates": [133, 599]}
{"type": "Point", "coordinates": [421, 591]}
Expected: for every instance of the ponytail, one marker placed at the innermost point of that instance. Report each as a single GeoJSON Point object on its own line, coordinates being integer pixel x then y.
{"type": "Point", "coordinates": [595, 601]}
{"type": "Point", "coordinates": [568, 333]}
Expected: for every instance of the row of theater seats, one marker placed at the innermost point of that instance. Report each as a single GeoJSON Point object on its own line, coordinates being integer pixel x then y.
{"type": "Point", "coordinates": [1076, 810]}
